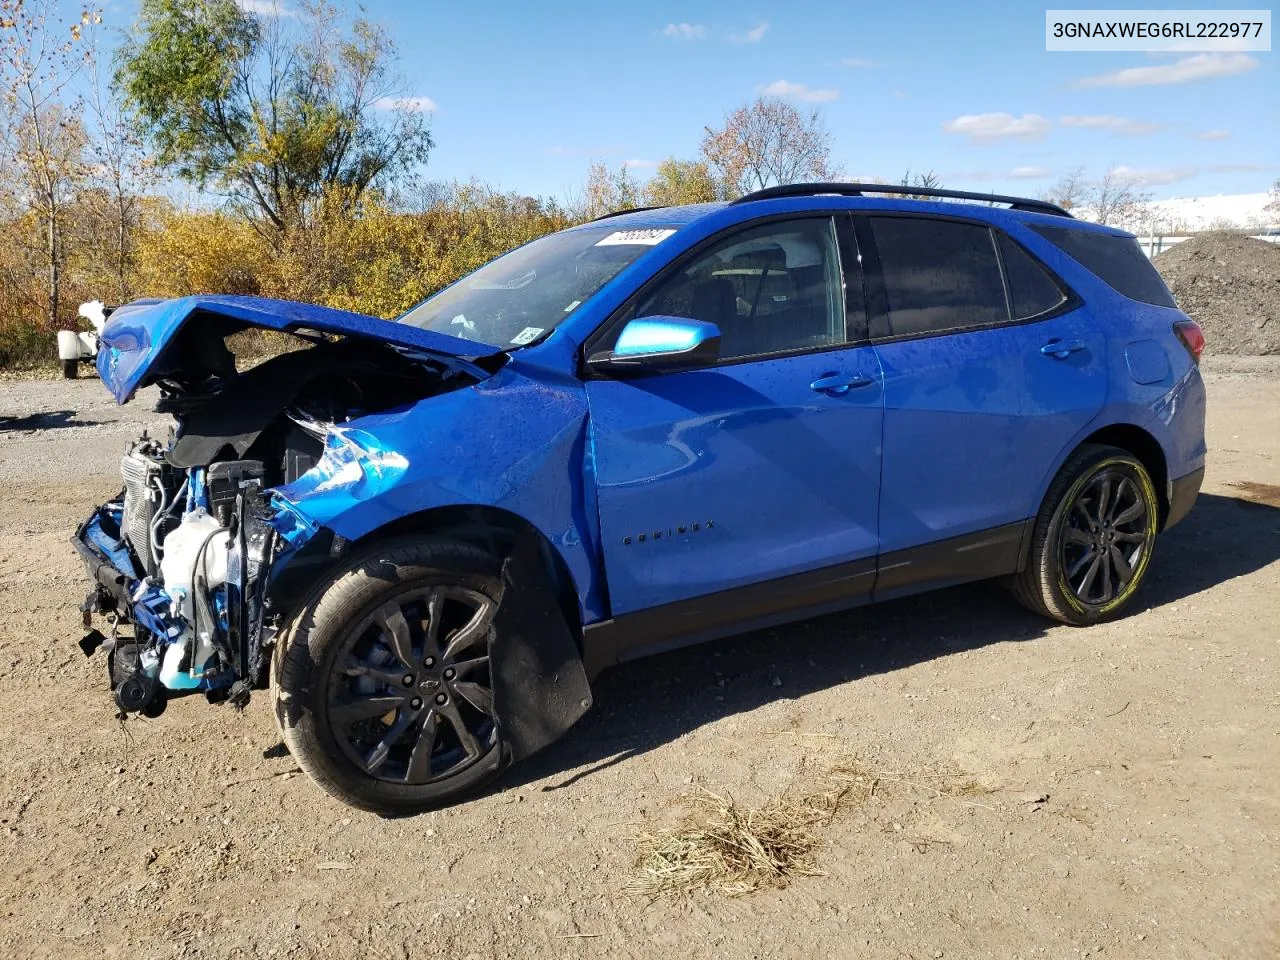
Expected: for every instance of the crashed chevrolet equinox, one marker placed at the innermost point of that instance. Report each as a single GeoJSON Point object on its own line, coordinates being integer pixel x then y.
{"type": "Point", "coordinates": [426, 537]}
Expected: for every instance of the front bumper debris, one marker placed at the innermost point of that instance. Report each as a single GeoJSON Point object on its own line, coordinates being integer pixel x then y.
{"type": "Point", "coordinates": [144, 620]}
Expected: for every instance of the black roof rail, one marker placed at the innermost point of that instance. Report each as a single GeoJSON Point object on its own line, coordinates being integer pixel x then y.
{"type": "Point", "coordinates": [860, 189]}
{"type": "Point", "coordinates": [620, 213]}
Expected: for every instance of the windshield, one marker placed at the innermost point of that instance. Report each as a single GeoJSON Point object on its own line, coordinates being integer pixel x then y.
{"type": "Point", "coordinates": [516, 299]}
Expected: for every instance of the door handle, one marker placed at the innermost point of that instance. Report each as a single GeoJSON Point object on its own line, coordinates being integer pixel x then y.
{"type": "Point", "coordinates": [838, 384]}
{"type": "Point", "coordinates": [1061, 349]}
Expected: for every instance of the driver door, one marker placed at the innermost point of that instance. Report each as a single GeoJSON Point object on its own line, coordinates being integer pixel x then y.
{"type": "Point", "coordinates": [751, 485]}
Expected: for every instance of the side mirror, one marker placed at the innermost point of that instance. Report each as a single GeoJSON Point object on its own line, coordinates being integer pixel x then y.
{"type": "Point", "coordinates": [655, 344]}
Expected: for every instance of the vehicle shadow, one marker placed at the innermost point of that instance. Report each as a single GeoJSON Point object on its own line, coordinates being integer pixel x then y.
{"type": "Point", "coordinates": [49, 420]}
{"type": "Point", "coordinates": [640, 706]}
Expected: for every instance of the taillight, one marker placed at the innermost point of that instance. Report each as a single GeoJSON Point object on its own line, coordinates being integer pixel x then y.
{"type": "Point", "coordinates": [1192, 337]}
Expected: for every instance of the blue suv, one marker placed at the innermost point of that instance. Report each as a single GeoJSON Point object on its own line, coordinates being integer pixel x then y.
{"type": "Point", "coordinates": [429, 535]}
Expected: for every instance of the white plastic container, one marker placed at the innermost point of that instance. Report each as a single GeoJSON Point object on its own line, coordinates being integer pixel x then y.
{"type": "Point", "coordinates": [73, 348]}
{"type": "Point", "coordinates": [186, 559]}
{"type": "Point", "coordinates": [68, 345]}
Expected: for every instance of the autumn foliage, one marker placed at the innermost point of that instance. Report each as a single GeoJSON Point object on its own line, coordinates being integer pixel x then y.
{"type": "Point", "coordinates": [305, 155]}
{"type": "Point", "coordinates": [379, 262]}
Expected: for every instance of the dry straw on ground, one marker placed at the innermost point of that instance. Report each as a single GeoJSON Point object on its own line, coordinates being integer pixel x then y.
{"type": "Point", "coordinates": [936, 785]}
{"type": "Point", "coordinates": [734, 850]}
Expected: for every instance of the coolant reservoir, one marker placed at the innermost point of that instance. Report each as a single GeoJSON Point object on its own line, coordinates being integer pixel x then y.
{"type": "Point", "coordinates": [182, 550]}
{"type": "Point", "coordinates": [195, 551]}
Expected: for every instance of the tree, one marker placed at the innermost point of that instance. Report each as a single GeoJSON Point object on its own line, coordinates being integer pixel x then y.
{"type": "Point", "coordinates": [1070, 190]}
{"type": "Point", "coordinates": [274, 112]}
{"type": "Point", "coordinates": [121, 175]}
{"type": "Point", "coordinates": [766, 143]}
{"type": "Point", "coordinates": [40, 58]}
{"type": "Point", "coordinates": [681, 181]}
{"type": "Point", "coordinates": [1115, 198]}
{"type": "Point", "coordinates": [605, 192]}
{"type": "Point", "coordinates": [1273, 205]}
{"type": "Point", "coordinates": [929, 181]}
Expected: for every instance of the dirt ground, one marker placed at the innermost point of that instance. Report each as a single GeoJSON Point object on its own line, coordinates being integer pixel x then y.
{"type": "Point", "coordinates": [1230, 285]}
{"type": "Point", "coordinates": [1129, 801]}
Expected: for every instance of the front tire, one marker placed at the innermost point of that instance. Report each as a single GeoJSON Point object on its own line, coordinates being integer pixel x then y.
{"type": "Point", "coordinates": [1092, 539]}
{"type": "Point", "coordinates": [383, 690]}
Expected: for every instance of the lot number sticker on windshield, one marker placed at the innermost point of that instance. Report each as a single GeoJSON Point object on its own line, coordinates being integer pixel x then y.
{"type": "Point", "coordinates": [644, 238]}
{"type": "Point", "coordinates": [527, 335]}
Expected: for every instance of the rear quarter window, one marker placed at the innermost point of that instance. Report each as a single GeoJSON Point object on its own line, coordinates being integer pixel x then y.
{"type": "Point", "coordinates": [1032, 291]}
{"type": "Point", "coordinates": [939, 275]}
{"type": "Point", "coordinates": [1117, 261]}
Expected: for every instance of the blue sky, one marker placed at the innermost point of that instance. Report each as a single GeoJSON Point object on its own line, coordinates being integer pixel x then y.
{"type": "Point", "coordinates": [524, 95]}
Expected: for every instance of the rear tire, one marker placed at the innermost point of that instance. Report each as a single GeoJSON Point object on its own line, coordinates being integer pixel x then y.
{"type": "Point", "coordinates": [382, 687]}
{"type": "Point", "coordinates": [70, 369]}
{"type": "Point", "coordinates": [1092, 539]}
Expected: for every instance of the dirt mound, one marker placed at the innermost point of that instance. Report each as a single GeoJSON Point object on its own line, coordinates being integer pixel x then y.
{"type": "Point", "coordinates": [1231, 286]}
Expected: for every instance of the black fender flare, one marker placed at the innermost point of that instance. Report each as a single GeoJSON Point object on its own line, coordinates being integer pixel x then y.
{"type": "Point", "coordinates": [540, 686]}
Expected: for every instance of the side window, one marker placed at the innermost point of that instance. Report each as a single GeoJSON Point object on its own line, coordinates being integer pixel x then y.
{"type": "Point", "coordinates": [1117, 260]}
{"type": "Point", "coordinates": [1032, 291]}
{"type": "Point", "coordinates": [939, 275]}
{"type": "Point", "coordinates": [769, 289]}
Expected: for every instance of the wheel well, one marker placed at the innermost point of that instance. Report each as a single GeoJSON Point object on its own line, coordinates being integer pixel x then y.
{"type": "Point", "coordinates": [1147, 449]}
{"type": "Point", "coordinates": [493, 530]}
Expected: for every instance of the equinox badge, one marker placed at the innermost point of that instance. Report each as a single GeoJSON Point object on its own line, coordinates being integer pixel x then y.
{"type": "Point", "coordinates": [695, 527]}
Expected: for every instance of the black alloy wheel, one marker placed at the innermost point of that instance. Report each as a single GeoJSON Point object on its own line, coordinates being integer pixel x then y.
{"type": "Point", "coordinates": [1105, 537]}
{"type": "Point", "coordinates": [383, 682]}
{"type": "Point", "coordinates": [1092, 541]}
{"type": "Point", "coordinates": [410, 700]}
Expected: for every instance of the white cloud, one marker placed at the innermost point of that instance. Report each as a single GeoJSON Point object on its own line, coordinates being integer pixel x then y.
{"type": "Point", "coordinates": [411, 104]}
{"type": "Point", "coordinates": [798, 91]}
{"type": "Point", "coordinates": [1109, 121]}
{"type": "Point", "coordinates": [684, 31]}
{"type": "Point", "coordinates": [1199, 67]}
{"type": "Point", "coordinates": [860, 63]}
{"type": "Point", "coordinates": [1017, 173]}
{"type": "Point", "coordinates": [1213, 135]}
{"type": "Point", "coordinates": [985, 127]}
{"type": "Point", "coordinates": [754, 35]}
{"type": "Point", "coordinates": [1237, 168]}
{"type": "Point", "coordinates": [1153, 175]}
{"type": "Point", "coordinates": [1158, 176]}
{"type": "Point", "coordinates": [266, 8]}
{"type": "Point", "coordinates": [639, 164]}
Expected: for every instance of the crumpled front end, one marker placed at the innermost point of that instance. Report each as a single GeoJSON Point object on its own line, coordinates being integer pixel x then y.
{"type": "Point", "coordinates": [194, 563]}
{"type": "Point", "coordinates": [181, 576]}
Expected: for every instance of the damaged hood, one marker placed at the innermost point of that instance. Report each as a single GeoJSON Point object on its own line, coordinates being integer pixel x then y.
{"type": "Point", "coordinates": [139, 343]}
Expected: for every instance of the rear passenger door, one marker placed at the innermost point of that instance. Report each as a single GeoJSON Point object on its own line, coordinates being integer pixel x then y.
{"type": "Point", "coordinates": [990, 368]}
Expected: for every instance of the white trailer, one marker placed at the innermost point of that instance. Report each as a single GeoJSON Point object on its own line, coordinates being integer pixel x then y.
{"type": "Point", "coordinates": [75, 347]}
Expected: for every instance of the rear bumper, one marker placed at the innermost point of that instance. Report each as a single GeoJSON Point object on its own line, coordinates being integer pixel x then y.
{"type": "Point", "coordinates": [1182, 496]}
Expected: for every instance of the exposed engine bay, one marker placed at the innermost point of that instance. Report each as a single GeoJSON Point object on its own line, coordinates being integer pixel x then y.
{"type": "Point", "coordinates": [183, 558]}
